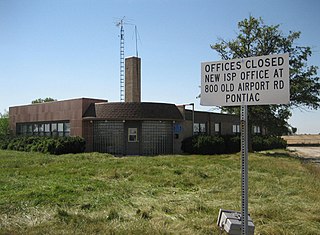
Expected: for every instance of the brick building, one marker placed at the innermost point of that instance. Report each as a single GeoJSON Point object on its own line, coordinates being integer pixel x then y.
{"type": "Point", "coordinates": [122, 128]}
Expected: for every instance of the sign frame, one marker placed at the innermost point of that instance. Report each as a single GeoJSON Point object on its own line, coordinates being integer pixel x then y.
{"type": "Point", "coordinates": [259, 80]}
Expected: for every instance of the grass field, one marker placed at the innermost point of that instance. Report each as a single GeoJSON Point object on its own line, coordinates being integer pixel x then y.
{"type": "Point", "coordinates": [99, 194]}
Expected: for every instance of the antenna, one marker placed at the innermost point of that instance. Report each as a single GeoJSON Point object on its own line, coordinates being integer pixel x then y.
{"type": "Point", "coordinates": [136, 35]}
{"type": "Point", "coordinates": [120, 24]}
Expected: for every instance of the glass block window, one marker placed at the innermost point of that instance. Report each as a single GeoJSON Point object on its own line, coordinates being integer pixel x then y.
{"type": "Point", "coordinates": [157, 137]}
{"type": "Point", "coordinates": [109, 137]}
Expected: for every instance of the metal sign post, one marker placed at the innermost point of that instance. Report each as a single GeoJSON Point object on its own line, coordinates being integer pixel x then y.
{"type": "Point", "coordinates": [244, 169]}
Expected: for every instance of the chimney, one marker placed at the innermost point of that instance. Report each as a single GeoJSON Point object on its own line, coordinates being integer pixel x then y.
{"type": "Point", "coordinates": [133, 79]}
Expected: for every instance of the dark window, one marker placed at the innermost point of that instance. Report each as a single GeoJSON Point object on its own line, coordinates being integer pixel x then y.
{"type": "Point", "coordinates": [66, 129]}
{"type": "Point", "coordinates": [29, 129]}
{"type": "Point", "coordinates": [43, 129]}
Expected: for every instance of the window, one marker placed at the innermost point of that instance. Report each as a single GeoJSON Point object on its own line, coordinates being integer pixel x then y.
{"type": "Point", "coordinates": [54, 129]}
{"type": "Point", "coordinates": [199, 128]}
{"type": "Point", "coordinates": [66, 129]}
{"type": "Point", "coordinates": [44, 129]}
{"type": "Point", "coordinates": [156, 137]}
{"type": "Point", "coordinates": [47, 131]}
{"type": "Point", "coordinates": [132, 134]}
{"type": "Point", "coordinates": [202, 127]}
{"type": "Point", "coordinates": [29, 129]}
{"type": "Point", "coordinates": [256, 130]}
{"type": "Point", "coordinates": [109, 137]}
{"type": "Point", "coordinates": [235, 129]}
{"type": "Point", "coordinates": [60, 129]}
{"type": "Point", "coordinates": [35, 129]}
{"type": "Point", "coordinates": [217, 128]}
{"type": "Point", "coordinates": [41, 129]}
{"type": "Point", "coordinates": [196, 128]}
{"type": "Point", "coordinates": [24, 129]}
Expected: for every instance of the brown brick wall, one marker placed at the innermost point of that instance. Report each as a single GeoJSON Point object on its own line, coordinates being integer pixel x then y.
{"type": "Point", "coordinates": [66, 110]}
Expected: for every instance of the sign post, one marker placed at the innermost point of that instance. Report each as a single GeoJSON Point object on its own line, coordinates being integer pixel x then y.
{"type": "Point", "coordinates": [244, 169]}
{"type": "Point", "coordinates": [261, 80]}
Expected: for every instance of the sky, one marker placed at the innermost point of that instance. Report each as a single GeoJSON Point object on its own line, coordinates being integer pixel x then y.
{"type": "Point", "coordinates": [67, 49]}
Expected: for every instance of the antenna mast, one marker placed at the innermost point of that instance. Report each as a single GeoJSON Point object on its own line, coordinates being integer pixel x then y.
{"type": "Point", "coordinates": [136, 35]}
{"type": "Point", "coordinates": [120, 24]}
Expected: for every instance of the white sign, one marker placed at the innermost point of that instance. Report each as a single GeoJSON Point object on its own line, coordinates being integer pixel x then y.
{"type": "Point", "coordinates": [248, 81]}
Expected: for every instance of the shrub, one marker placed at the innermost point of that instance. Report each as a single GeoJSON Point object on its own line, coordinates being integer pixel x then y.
{"type": "Point", "coordinates": [4, 142]}
{"type": "Point", "coordinates": [59, 145]}
{"type": "Point", "coordinates": [206, 144]}
{"type": "Point", "coordinates": [232, 143]}
{"type": "Point", "coordinates": [187, 145]}
{"type": "Point", "coordinates": [203, 144]}
{"type": "Point", "coordinates": [260, 143]}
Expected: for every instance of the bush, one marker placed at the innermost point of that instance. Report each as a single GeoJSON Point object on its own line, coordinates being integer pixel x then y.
{"type": "Point", "coordinates": [206, 144]}
{"type": "Point", "coordinates": [59, 145]}
{"type": "Point", "coordinates": [260, 143]}
{"type": "Point", "coordinates": [203, 144]}
{"type": "Point", "coordinates": [4, 142]}
{"type": "Point", "coordinates": [232, 143]}
{"type": "Point", "coordinates": [187, 145]}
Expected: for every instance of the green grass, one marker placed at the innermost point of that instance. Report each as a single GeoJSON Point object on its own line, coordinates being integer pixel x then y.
{"type": "Point", "coordinates": [95, 193]}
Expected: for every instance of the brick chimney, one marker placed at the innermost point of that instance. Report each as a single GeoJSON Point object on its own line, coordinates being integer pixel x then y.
{"type": "Point", "coordinates": [133, 79]}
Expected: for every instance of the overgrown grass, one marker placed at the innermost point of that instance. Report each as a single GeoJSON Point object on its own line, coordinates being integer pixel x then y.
{"type": "Point", "coordinates": [95, 193]}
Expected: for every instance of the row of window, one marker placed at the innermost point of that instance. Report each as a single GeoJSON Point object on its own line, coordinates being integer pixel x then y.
{"type": "Point", "coordinates": [201, 128]}
{"type": "Point", "coordinates": [255, 129]}
{"type": "Point", "coordinates": [44, 129]}
{"type": "Point", "coordinates": [63, 129]}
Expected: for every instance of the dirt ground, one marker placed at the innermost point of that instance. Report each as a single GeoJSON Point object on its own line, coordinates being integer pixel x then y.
{"type": "Point", "coordinates": [309, 153]}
